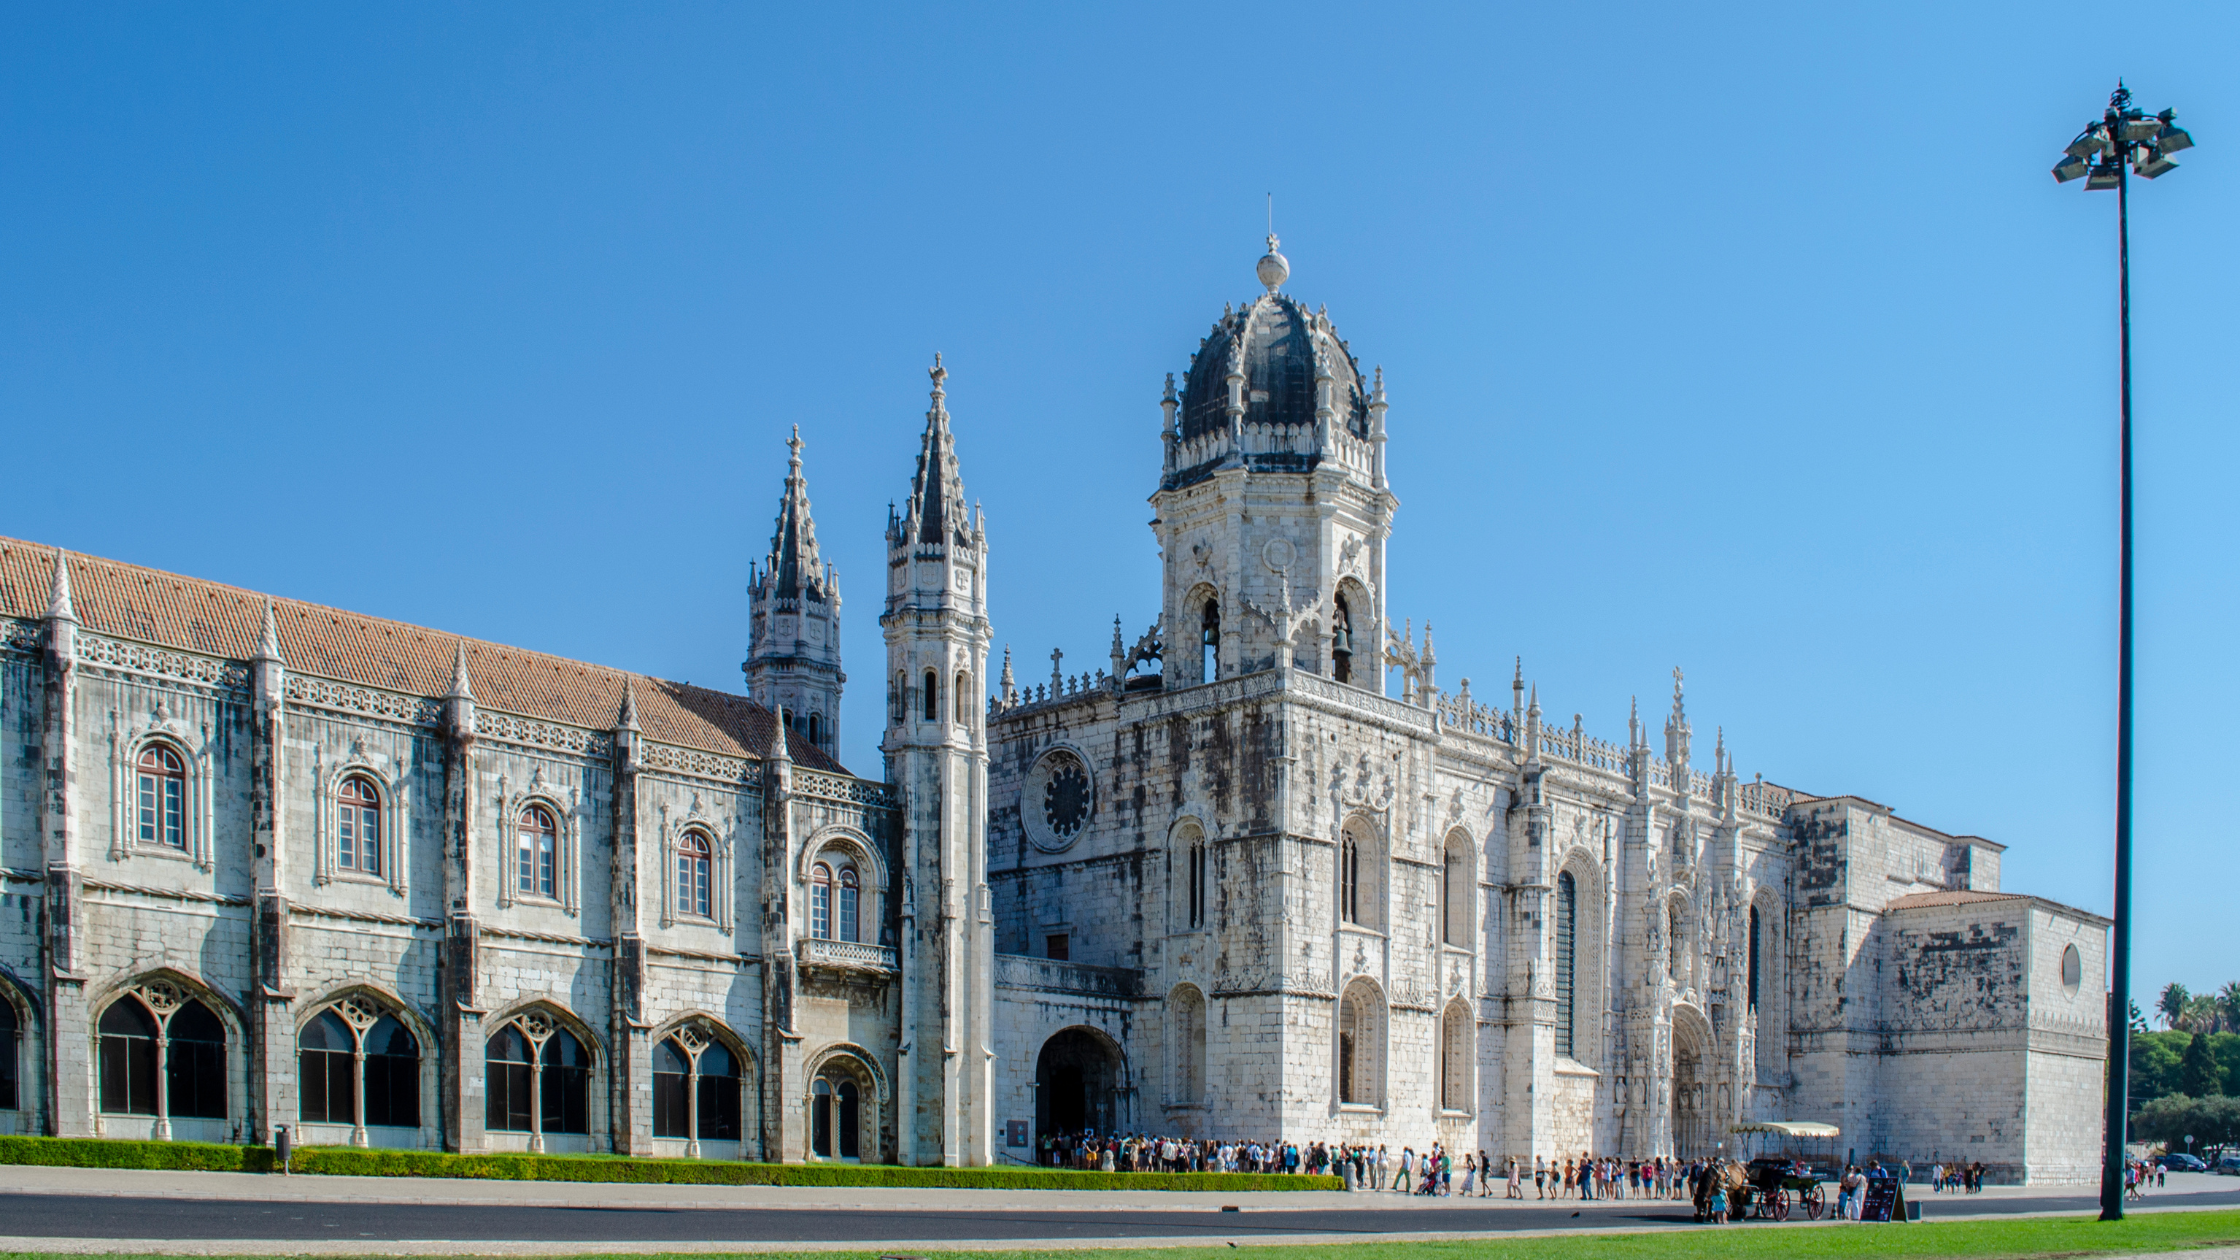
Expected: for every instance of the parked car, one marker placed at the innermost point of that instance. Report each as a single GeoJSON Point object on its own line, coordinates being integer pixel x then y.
{"type": "Point", "coordinates": [2228, 1165]}
{"type": "Point", "coordinates": [2178, 1161]}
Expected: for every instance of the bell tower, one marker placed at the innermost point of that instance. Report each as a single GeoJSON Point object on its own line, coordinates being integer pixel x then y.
{"type": "Point", "coordinates": [937, 635]}
{"type": "Point", "coordinates": [1272, 510]}
{"type": "Point", "coordinates": [793, 627]}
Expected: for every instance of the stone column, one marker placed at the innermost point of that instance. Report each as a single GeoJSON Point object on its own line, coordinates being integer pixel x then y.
{"type": "Point", "coordinates": [272, 1076]}
{"type": "Point", "coordinates": [631, 1079]}
{"type": "Point", "coordinates": [460, 1021]}
{"type": "Point", "coordinates": [71, 1082]}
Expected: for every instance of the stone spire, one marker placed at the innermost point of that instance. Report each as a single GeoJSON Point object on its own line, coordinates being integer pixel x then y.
{"type": "Point", "coordinates": [779, 751]}
{"type": "Point", "coordinates": [1008, 688]}
{"type": "Point", "coordinates": [59, 606]}
{"type": "Point", "coordinates": [937, 502]}
{"type": "Point", "coordinates": [794, 561]}
{"type": "Point", "coordinates": [268, 636]}
{"type": "Point", "coordinates": [627, 719]}
{"type": "Point", "coordinates": [461, 689]}
{"type": "Point", "coordinates": [1676, 731]}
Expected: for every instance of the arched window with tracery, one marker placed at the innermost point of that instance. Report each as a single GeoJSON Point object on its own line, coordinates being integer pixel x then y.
{"type": "Point", "coordinates": [835, 1117]}
{"type": "Point", "coordinates": [538, 1079]}
{"type": "Point", "coordinates": [1209, 641]}
{"type": "Point", "coordinates": [695, 875]}
{"type": "Point", "coordinates": [1567, 964]}
{"type": "Point", "coordinates": [358, 826]}
{"type": "Point", "coordinates": [539, 855]}
{"type": "Point", "coordinates": [163, 797]}
{"type": "Point", "coordinates": [163, 1054]}
{"type": "Point", "coordinates": [350, 1054]}
{"type": "Point", "coordinates": [695, 1090]}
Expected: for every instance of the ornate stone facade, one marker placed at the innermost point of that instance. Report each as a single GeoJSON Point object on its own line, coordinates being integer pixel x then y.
{"type": "Point", "coordinates": [1258, 876]}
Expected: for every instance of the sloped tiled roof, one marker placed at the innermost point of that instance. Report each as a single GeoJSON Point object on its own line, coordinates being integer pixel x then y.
{"type": "Point", "coordinates": [1961, 897]}
{"type": "Point", "coordinates": [150, 606]}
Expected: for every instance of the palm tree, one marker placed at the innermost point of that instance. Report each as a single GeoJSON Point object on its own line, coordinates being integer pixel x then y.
{"type": "Point", "coordinates": [2229, 998]}
{"type": "Point", "coordinates": [2172, 1004]}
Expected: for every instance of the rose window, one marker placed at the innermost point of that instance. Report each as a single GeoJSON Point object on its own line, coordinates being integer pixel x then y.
{"type": "Point", "coordinates": [1065, 798]}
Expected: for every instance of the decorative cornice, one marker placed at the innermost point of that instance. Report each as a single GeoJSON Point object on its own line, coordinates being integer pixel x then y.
{"type": "Point", "coordinates": [140, 658]}
{"type": "Point", "coordinates": [321, 693]}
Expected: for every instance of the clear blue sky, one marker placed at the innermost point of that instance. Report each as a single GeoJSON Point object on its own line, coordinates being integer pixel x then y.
{"type": "Point", "coordinates": [1750, 339]}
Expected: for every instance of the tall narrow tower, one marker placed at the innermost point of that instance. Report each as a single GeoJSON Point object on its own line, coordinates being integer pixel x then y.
{"type": "Point", "coordinates": [936, 624]}
{"type": "Point", "coordinates": [793, 632]}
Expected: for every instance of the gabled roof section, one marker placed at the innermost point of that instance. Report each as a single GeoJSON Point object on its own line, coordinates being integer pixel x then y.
{"type": "Point", "coordinates": [150, 606]}
{"type": "Point", "coordinates": [794, 560]}
{"type": "Point", "coordinates": [937, 511]}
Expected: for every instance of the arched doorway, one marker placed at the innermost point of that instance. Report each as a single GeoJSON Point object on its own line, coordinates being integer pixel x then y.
{"type": "Point", "coordinates": [1691, 1092]}
{"type": "Point", "coordinates": [1078, 1081]}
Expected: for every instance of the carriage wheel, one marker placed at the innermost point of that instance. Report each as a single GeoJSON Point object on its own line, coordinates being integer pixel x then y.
{"type": "Point", "coordinates": [1814, 1204]}
{"type": "Point", "coordinates": [1778, 1200]}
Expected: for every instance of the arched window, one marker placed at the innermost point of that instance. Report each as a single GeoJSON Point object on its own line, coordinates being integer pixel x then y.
{"type": "Point", "coordinates": [358, 826]}
{"type": "Point", "coordinates": [814, 737]}
{"type": "Point", "coordinates": [933, 697]}
{"type": "Point", "coordinates": [327, 1053]}
{"type": "Point", "coordinates": [1753, 959]}
{"type": "Point", "coordinates": [156, 1064]}
{"type": "Point", "coordinates": [1349, 876]}
{"type": "Point", "coordinates": [672, 1081]}
{"type": "Point", "coordinates": [1454, 892]}
{"type": "Point", "coordinates": [820, 1118]}
{"type": "Point", "coordinates": [128, 1059]}
{"type": "Point", "coordinates": [392, 1075]}
{"type": "Point", "coordinates": [1454, 1058]}
{"type": "Point", "coordinates": [540, 851]}
{"type": "Point", "coordinates": [1209, 641]}
{"type": "Point", "coordinates": [898, 701]}
{"type": "Point", "coordinates": [820, 902]}
{"type": "Point", "coordinates": [695, 863]}
{"type": "Point", "coordinates": [565, 1101]}
{"type": "Point", "coordinates": [1188, 1009]}
{"type": "Point", "coordinates": [1196, 874]}
{"type": "Point", "coordinates": [963, 691]}
{"type": "Point", "coordinates": [163, 797]}
{"type": "Point", "coordinates": [538, 1078]}
{"type": "Point", "coordinates": [10, 1046]}
{"type": "Point", "coordinates": [1566, 963]}
{"type": "Point", "coordinates": [845, 924]}
{"type": "Point", "coordinates": [510, 1076]}
{"type": "Point", "coordinates": [1361, 1045]}
{"type": "Point", "coordinates": [1341, 640]}
{"type": "Point", "coordinates": [717, 1108]}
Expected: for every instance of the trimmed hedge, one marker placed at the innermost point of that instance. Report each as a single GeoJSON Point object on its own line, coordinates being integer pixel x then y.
{"type": "Point", "coordinates": [346, 1161]}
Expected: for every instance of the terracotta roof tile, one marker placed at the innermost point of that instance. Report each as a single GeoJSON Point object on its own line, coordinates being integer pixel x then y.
{"type": "Point", "coordinates": [168, 610]}
{"type": "Point", "coordinates": [1960, 897]}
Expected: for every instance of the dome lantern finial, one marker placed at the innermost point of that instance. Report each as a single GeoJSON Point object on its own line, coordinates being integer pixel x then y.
{"type": "Point", "coordinates": [1274, 268]}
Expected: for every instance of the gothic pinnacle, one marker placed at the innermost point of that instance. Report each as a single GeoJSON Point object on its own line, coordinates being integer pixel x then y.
{"type": "Point", "coordinates": [461, 689]}
{"type": "Point", "coordinates": [59, 606]}
{"type": "Point", "coordinates": [627, 719]}
{"type": "Point", "coordinates": [268, 636]}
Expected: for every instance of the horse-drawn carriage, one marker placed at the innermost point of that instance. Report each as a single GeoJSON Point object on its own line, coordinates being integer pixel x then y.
{"type": "Point", "coordinates": [1771, 1185]}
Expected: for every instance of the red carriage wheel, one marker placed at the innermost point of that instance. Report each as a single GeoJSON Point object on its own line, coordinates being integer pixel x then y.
{"type": "Point", "coordinates": [1814, 1204]}
{"type": "Point", "coordinates": [1778, 1200]}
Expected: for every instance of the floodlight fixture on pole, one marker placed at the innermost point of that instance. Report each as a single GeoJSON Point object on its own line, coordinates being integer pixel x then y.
{"type": "Point", "coordinates": [2123, 140]}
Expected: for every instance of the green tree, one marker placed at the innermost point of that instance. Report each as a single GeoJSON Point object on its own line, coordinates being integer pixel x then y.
{"type": "Point", "coordinates": [2198, 1073]}
{"type": "Point", "coordinates": [2172, 1004]}
{"type": "Point", "coordinates": [2212, 1122]}
{"type": "Point", "coordinates": [2154, 1064]}
{"type": "Point", "coordinates": [2228, 997]}
{"type": "Point", "coordinates": [2226, 1047]}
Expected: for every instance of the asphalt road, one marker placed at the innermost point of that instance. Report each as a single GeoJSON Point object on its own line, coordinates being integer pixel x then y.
{"type": "Point", "coordinates": [184, 1220]}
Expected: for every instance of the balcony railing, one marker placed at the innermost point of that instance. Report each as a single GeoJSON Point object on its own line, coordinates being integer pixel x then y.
{"type": "Point", "coordinates": [847, 955]}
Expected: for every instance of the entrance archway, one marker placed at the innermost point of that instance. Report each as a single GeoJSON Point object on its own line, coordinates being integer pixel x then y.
{"type": "Point", "coordinates": [1691, 1091]}
{"type": "Point", "coordinates": [1078, 1080]}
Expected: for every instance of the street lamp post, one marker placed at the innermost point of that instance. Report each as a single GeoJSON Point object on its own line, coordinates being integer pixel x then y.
{"type": "Point", "coordinates": [2122, 141]}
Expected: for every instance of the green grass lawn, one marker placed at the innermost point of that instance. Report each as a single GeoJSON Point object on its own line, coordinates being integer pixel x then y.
{"type": "Point", "coordinates": [2057, 1237]}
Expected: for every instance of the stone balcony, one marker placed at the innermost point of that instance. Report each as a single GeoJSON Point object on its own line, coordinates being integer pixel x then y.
{"type": "Point", "coordinates": [847, 956]}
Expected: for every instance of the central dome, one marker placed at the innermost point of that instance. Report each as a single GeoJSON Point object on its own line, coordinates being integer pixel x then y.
{"type": "Point", "coordinates": [1277, 345]}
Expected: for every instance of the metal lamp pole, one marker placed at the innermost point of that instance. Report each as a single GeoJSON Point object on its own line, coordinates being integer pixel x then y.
{"type": "Point", "coordinates": [2123, 140]}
